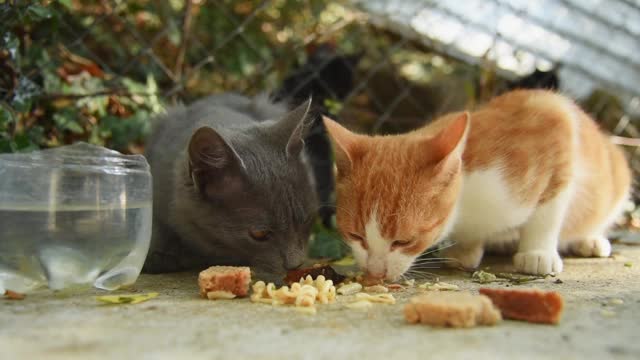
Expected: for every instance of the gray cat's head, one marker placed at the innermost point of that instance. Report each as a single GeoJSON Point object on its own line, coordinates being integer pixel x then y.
{"type": "Point", "coordinates": [249, 197]}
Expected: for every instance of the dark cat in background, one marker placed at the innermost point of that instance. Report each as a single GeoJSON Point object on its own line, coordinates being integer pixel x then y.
{"type": "Point", "coordinates": [325, 75]}
{"type": "Point", "coordinates": [231, 186]}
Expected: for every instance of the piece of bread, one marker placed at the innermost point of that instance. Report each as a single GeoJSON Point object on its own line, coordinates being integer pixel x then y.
{"type": "Point", "coordinates": [531, 305]}
{"type": "Point", "coordinates": [220, 279]}
{"type": "Point", "coordinates": [451, 309]}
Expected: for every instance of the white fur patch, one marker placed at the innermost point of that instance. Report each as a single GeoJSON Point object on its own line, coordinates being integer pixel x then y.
{"type": "Point", "coordinates": [486, 207]}
{"type": "Point", "coordinates": [380, 260]}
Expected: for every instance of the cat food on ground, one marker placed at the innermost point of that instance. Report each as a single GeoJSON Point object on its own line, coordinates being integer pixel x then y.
{"type": "Point", "coordinates": [325, 270]}
{"type": "Point", "coordinates": [12, 295]}
{"type": "Point", "coordinates": [301, 294]}
{"type": "Point", "coordinates": [349, 289]}
{"type": "Point", "coordinates": [360, 305]}
{"type": "Point", "coordinates": [220, 295]}
{"type": "Point", "coordinates": [395, 287]}
{"type": "Point", "coordinates": [439, 286]}
{"type": "Point", "coordinates": [224, 279]}
{"type": "Point", "coordinates": [376, 289]}
{"type": "Point", "coordinates": [531, 305]}
{"type": "Point", "coordinates": [376, 298]}
{"type": "Point", "coordinates": [451, 309]}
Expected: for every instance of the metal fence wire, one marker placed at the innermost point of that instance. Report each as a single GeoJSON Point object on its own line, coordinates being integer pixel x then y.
{"type": "Point", "coordinates": [98, 70]}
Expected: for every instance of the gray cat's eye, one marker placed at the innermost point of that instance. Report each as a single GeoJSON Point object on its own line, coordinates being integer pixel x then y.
{"type": "Point", "coordinates": [259, 235]}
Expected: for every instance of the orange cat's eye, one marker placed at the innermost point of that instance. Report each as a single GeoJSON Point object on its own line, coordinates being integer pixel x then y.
{"type": "Point", "coordinates": [259, 235]}
{"type": "Point", "coordinates": [401, 243]}
{"type": "Point", "coordinates": [358, 238]}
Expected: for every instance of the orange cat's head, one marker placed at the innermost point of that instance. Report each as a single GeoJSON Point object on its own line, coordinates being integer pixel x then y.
{"type": "Point", "coordinates": [396, 195]}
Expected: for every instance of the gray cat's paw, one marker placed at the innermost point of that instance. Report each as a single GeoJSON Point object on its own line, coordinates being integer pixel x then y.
{"type": "Point", "coordinates": [598, 246]}
{"type": "Point", "coordinates": [538, 262]}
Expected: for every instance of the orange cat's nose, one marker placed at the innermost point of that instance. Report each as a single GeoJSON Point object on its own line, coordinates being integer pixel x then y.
{"type": "Point", "coordinates": [373, 279]}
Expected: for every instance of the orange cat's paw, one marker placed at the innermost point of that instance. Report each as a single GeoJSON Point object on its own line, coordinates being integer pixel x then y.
{"type": "Point", "coordinates": [538, 262]}
{"type": "Point", "coordinates": [598, 246]}
{"type": "Point", "coordinates": [466, 257]}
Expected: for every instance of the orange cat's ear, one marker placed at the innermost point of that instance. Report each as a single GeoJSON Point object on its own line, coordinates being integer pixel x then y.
{"type": "Point", "coordinates": [450, 141]}
{"type": "Point", "coordinates": [346, 145]}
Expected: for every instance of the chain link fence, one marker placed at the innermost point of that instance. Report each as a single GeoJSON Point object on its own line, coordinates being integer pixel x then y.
{"type": "Point", "coordinates": [97, 71]}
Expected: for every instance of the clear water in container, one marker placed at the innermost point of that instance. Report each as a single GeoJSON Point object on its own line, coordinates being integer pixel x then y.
{"type": "Point", "coordinates": [73, 217]}
{"type": "Point", "coordinates": [72, 246]}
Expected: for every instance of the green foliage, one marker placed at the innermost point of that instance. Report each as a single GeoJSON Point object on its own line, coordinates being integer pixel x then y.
{"type": "Point", "coordinates": [327, 244]}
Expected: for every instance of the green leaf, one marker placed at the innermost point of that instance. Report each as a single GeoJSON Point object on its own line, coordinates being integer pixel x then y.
{"type": "Point", "coordinates": [68, 120]}
{"type": "Point", "coordinates": [6, 118]}
{"type": "Point", "coordinates": [38, 12]}
{"type": "Point", "coordinates": [327, 244]}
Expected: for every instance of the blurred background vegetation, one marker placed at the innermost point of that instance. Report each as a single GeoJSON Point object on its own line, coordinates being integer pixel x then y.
{"type": "Point", "coordinates": [98, 71]}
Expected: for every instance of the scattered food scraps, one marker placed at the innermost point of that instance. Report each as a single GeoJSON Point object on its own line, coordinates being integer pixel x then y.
{"type": "Point", "coordinates": [376, 289]}
{"type": "Point", "coordinates": [361, 305]}
{"type": "Point", "coordinates": [439, 286]}
{"type": "Point", "coordinates": [220, 295]}
{"type": "Point", "coordinates": [301, 294]}
{"type": "Point", "coordinates": [12, 295]}
{"type": "Point", "coordinates": [616, 301]}
{"type": "Point", "coordinates": [349, 289]}
{"type": "Point", "coordinates": [126, 299]}
{"type": "Point", "coordinates": [530, 305]}
{"type": "Point", "coordinates": [325, 270]}
{"type": "Point", "coordinates": [483, 277]}
{"type": "Point", "coordinates": [460, 309]}
{"type": "Point", "coordinates": [558, 281]}
{"type": "Point", "coordinates": [518, 279]}
{"type": "Point", "coordinates": [395, 287]}
{"type": "Point", "coordinates": [376, 298]}
{"type": "Point", "coordinates": [231, 279]}
{"type": "Point", "coordinates": [628, 264]}
{"type": "Point", "coordinates": [607, 313]}
{"type": "Point", "coordinates": [410, 282]}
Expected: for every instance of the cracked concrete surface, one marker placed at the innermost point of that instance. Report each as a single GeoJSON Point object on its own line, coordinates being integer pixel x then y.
{"type": "Point", "coordinates": [601, 321]}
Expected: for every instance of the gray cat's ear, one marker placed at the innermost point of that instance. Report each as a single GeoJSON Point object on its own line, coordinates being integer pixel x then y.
{"type": "Point", "coordinates": [214, 167]}
{"type": "Point", "coordinates": [294, 127]}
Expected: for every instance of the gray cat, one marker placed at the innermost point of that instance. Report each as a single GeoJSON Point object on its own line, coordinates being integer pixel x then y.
{"type": "Point", "coordinates": [231, 186]}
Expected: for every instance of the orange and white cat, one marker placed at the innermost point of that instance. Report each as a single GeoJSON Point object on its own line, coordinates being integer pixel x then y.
{"type": "Point", "coordinates": [528, 173]}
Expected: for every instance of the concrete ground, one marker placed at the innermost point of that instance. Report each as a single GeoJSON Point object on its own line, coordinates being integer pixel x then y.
{"type": "Point", "coordinates": [601, 321]}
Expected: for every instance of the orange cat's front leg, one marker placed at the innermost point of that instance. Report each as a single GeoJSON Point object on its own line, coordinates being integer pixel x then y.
{"type": "Point", "coordinates": [538, 249]}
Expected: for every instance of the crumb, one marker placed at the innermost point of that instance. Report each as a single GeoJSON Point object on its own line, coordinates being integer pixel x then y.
{"type": "Point", "coordinates": [376, 298]}
{"type": "Point", "coordinates": [376, 289]}
{"type": "Point", "coordinates": [13, 295]}
{"type": "Point", "coordinates": [531, 305]}
{"type": "Point", "coordinates": [360, 305]}
{"type": "Point", "coordinates": [395, 287]}
{"type": "Point", "coordinates": [483, 277]}
{"type": "Point", "coordinates": [349, 289]}
{"type": "Point", "coordinates": [558, 281]}
{"type": "Point", "coordinates": [607, 313]}
{"type": "Point", "coordinates": [446, 309]}
{"type": "Point", "coordinates": [439, 286]}
{"type": "Point", "coordinates": [217, 295]}
{"type": "Point", "coordinates": [628, 264]}
{"type": "Point", "coordinates": [410, 282]}
{"type": "Point", "coordinates": [616, 301]}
